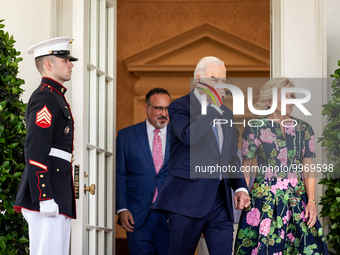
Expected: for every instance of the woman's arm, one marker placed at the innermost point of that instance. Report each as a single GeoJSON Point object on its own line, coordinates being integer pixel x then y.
{"type": "Point", "coordinates": [309, 179]}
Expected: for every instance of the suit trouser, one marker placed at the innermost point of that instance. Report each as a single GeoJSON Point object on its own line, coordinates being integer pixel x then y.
{"type": "Point", "coordinates": [48, 235]}
{"type": "Point", "coordinates": [217, 228]}
{"type": "Point", "coordinates": [153, 237]}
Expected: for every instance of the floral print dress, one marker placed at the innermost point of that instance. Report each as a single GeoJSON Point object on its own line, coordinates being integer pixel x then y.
{"type": "Point", "coordinates": [274, 223]}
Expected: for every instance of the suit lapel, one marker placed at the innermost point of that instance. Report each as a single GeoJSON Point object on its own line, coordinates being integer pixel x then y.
{"type": "Point", "coordinates": [226, 133]}
{"type": "Point", "coordinates": [195, 106]}
{"type": "Point", "coordinates": [142, 136]}
{"type": "Point", "coordinates": [195, 110]}
{"type": "Point", "coordinates": [166, 156]}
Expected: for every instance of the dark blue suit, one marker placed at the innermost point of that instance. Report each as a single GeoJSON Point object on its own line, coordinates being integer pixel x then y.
{"type": "Point", "coordinates": [136, 182]}
{"type": "Point", "coordinates": [199, 205]}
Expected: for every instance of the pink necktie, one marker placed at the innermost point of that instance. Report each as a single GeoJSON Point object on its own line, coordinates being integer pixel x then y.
{"type": "Point", "coordinates": [157, 156]}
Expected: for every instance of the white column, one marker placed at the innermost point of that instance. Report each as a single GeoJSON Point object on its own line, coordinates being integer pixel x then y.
{"type": "Point", "coordinates": [299, 50]}
{"type": "Point", "coordinates": [299, 42]}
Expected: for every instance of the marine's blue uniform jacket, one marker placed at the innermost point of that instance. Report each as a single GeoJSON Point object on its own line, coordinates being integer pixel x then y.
{"type": "Point", "coordinates": [49, 125]}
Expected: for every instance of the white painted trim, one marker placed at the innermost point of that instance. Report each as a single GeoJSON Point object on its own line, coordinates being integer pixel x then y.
{"type": "Point", "coordinates": [321, 42]}
{"type": "Point", "coordinates": [79, 97]}
{"type": "Point", "coordinates": [310, 61]}
{"type": "Point", "coordinates": [102, 112]}
{"type": "Point", "coordinates": [111, 125]}
{"type": "Point", "coordinates": [55, 18]}
{"type": "Point", "coordinates": [93, 32]}
{"type": "Point", "coordinates": [275, 39]}
{"type": "Point", "coordinates": [321, 38]}
{"type": "Point", "coordinates": [101, 197]}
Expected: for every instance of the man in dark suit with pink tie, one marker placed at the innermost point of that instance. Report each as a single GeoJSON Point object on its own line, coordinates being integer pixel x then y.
{"type": "Point", "coordinates": [141, 169]}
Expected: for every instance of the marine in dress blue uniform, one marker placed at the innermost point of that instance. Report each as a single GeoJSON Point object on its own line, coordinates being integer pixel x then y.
{"type": "Point", "coordinates": [49, 126]}
{"type": "Point", "coordinates": [47, 179]}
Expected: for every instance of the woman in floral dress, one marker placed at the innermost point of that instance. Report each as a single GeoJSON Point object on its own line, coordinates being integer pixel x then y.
{"type": "Point", "coordinates": [282, 216]}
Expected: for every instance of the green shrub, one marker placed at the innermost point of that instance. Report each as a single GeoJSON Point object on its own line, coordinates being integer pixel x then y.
{"type": "Point", "coordinates": [331, 140]}
{"type": "Point", "coordinates": [13, 228]}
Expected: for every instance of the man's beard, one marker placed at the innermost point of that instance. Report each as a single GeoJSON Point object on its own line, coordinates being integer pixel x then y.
{"type": "Point", "coordinates": [162, 125]}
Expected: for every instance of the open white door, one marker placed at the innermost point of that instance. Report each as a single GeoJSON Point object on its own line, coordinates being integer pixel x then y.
{"type": "Point", "coordinates": [93, 107]}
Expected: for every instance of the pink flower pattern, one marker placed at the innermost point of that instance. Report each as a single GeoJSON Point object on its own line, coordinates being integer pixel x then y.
{"type": "Point", "coordinates": [245, 145]}
{"type": "Point", "coordinates": [281, 184]}
{"type": "Point", "coordinates": [265, 226]}
{"type": "Point", "coordinates": [269, 174]}
{"type": "Point", "coordinates": [302, 216]}
{"type": "Point", "coordinates": [290, 129]}
{"type": "Point", "coordinates": [267, 136]}
{"type": "Point", "coordinates": [292, 178]}
{"type": "Point", "coordinates": [293, 182]}
{"type": "Point", "coordinates": [291, 175]}
{"type": "Point", "coordinates": [272, 190]}
{"type": "Point", "coordinates": [257, 142]}
{"type": "Point", "coordinates": [287, 217]}
{"type": "Point", "coordinates": [283, 156]}
{"type": "Point", "coordinates": [312, 144]}
{"type": "Point", "coordinates": [254, 251]}
{"type": "Point", "coordinates": [253, 217]}
{"type": "Point", "coordinates": [291, 237]}
{"type": "Point", "coordinates": [282, 235]}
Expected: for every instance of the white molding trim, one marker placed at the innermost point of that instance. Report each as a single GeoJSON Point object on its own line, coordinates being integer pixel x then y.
{"type": "Point", "coordinates": [56, 17]}
{"type": "Point", "coordinates": [276, 30]}
{"type": "Point", "coordinates": [321, 62]}
{"type": "Point", "coordinates": [321, 38]}
{"type": "Point", "coordinates": [79, 96]}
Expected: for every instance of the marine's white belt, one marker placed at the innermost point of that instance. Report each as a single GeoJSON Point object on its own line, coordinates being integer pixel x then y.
{"type": "Point", "coordinates": [61, 154]}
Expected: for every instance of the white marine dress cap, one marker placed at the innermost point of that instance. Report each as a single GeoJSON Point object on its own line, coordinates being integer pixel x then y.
{"type": "Point", "coordinates": [53, 47]}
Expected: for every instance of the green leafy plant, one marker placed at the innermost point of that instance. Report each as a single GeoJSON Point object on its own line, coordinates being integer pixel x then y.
{"type": "Point", "coordinates": [13, 228]}
{"type": "Point", "coordinates": [331, 140]}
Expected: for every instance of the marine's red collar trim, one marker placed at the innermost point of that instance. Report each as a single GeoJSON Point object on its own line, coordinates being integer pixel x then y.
{"type": "Point", "coordinates": [54, 84]}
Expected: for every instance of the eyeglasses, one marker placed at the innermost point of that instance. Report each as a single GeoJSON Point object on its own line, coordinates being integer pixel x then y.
{"type": "Point", "coordinates": [215, 80]}
{"type": "Point", "coordinates": [159, 108]}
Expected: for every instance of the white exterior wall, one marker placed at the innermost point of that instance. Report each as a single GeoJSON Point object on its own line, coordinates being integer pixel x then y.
{"type": "Point", "coordinates": [31, 22]}
{"type": "Point", "coordinates": [333, 36]}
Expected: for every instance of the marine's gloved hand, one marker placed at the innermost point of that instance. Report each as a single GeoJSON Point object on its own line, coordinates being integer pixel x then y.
{"type": "Point", "coordinates": [49, 208]}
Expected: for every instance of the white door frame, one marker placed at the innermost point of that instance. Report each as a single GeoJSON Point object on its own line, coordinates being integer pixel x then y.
{"type": "Point", "coordinates": [80, 110]}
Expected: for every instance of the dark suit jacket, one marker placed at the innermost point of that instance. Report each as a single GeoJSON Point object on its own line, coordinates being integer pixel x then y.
{"type": "Point", "coordinates": [192, 143]}
{"type": "Point", "coordinates": [136, 177]}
